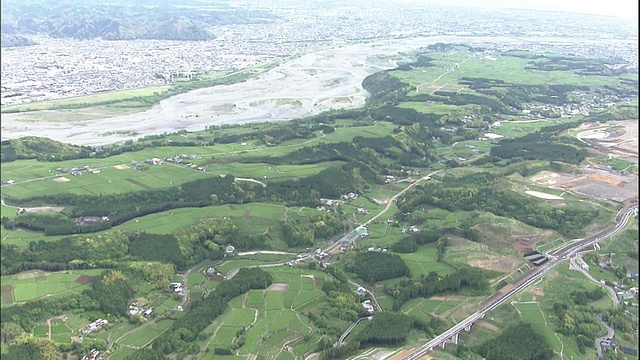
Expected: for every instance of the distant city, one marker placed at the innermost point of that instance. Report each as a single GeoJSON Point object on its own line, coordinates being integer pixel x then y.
{"type": "Point", "coordinates": [62, 67]}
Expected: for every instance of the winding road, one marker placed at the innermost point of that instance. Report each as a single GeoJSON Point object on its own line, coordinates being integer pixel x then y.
{"type": "Point", "coordinates": [612, 293]}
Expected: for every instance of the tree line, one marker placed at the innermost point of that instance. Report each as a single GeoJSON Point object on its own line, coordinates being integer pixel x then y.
{"type": "Point", "coordinates": [469, 279]}
{"type": "Point", "coordinates": [180, 337]}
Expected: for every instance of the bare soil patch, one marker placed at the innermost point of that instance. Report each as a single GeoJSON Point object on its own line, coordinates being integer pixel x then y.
{"type": "Point", "coordinates": [6, 294]}
{"type": "Point", "coordinates": [247, 214]}
{"type": "Point", "coordinates": [43, 209]}
{"type": "Point", "coordinates": [537, 291]}
{"type": "Point", "coordinates": [318, 281]}
{"type": "Point", "coordinates": [542, 195]}
{"type": "Point", "coordinates": [216, 278]}
{"type": "Point", "coordinates": [606, 179]}
{"type": "Point", "coordinates": [83, 279]}
{"type": "Point", "coordinates": [278, 287]}
{"type": "Point", "coordinates": [61, 179]}
{"type": "Point", "coordinates": [401, 355]}
{"type": "Point", "coordinates": [501, 264]}
{"type": "Point", "coordinates": [121, 166]}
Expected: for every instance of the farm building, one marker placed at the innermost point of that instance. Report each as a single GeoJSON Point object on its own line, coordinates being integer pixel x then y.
{"type": "Point", "coordinates": [367, 305]}
{"type": "Point", "coordinates": [94, 326]}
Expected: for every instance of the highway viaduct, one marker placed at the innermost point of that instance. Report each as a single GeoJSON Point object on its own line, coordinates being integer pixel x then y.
{"type": "Point", "coordinates": [558, 256]}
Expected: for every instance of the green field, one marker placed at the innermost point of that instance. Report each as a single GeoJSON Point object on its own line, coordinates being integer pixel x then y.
{"type": "Point", "coordinates": [507, 68]}
{"type": "Point", "coordinates": [271, 318]}
{"type": "Point", "coordinates": [37, 284]}
{"type": "Point", "coordinates": [145, 333]}
{"type": "Point", "coordinates": [532, 314]}
{"type": "Point", "coordinates": [425, 308]}
{"type": "Point", "coordinates": [424, 261]}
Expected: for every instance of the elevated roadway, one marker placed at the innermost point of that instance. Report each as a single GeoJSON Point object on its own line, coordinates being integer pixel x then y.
{"type": "Point", "coordinates": [498, 299]}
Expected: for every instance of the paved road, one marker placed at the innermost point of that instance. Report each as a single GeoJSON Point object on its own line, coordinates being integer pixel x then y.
{"type": "Point", "coordinates": [383, 211]}
{"type": "Point", "coordinates": [348, 331]}
{"type": "Point", "coordinates": [496, 300]}
{"type": "Point", "coordinates": [612, 293]}
{"type": "Point", "coordinates": [610, 333]}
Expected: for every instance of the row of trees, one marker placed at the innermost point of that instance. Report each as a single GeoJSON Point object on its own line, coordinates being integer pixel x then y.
{"type": "Point", "coordinates": [469, 279]}
{"type": "Point", "coordinates": [180, 338]}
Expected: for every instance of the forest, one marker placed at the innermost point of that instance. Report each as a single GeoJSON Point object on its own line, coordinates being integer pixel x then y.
{"type": "Point", "coordinates": [517, 342]}
{"type": "Point", "coordinates": [372, 266]}
{"type": "Point", "coordinates": [467, 279]}
{"type": "Point", "coordinates": [479, 191]}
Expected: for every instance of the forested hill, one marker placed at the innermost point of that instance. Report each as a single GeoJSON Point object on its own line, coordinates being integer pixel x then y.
{"type": "Point", "coordinates": [118, 21]}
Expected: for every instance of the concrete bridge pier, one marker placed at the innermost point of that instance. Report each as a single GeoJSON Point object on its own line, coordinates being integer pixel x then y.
{"type": "Point", "coordinates": [452, 340]}
{"type": "Point", "coordinates": [482, 316]}
{"type": "Point", "coordinates": [468, 328]}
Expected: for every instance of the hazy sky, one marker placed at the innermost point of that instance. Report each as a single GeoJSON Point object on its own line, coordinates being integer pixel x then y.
{"type": "Point", "coordinates": [622, 8]}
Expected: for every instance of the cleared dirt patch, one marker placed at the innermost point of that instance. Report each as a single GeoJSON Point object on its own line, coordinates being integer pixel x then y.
{"type": "Point", "coordinates": [606, 179]}
{"type": "Point", "coordinates": [121, 166]}
{"type": "Point", "coordinates": [61, 179]}
{"type": "Point", "coordinates": [247, 214]}
{"type": "Point", "coordinates": [278, 287]}
{"type": "Point", "coordinates": [537, 291]}
{"type": "Point", "coordinates": [216, 278]}
{"type": "Point", "coordinates": [318, 281]}
{"type": "Point", "coordinates": [497, 264]}
{"type": "Point", "coordinates": [83, 279]}
{"type": "Point", "coordinates": [542, 195]}
{"type": "Point", "coordinates": [6, 294]}
{"type": "Point", "coordinates": [401, 355]}
{"type": "Point", "coordinates": [43, 209]}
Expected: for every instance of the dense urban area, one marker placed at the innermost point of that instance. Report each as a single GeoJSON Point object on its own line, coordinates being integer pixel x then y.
{"type": "Point", "coordinates": [61, 67]}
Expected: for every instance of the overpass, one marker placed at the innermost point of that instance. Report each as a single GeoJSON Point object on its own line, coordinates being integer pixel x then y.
{"type": "Point", "coordinates": [348, 331]}
{"type": "Point", "coordinates": [451, 335]}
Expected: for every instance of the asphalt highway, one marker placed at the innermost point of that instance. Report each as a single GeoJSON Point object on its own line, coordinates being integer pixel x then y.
{"type": "Point", "coordinates": [496, 300]}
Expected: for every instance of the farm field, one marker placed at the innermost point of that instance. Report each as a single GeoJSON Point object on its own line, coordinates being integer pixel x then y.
{"type": "Point", "coordinates": [450, 67]}
{"type": "Point", "coordinates": [119, 176]}
{"type": "Point", "coordinates": [424, 261]}
{"type": "Point", "coordinates": [24, 237]}
{"type": "Point", "coordinates": [37, 284]}
{"type": "Point", "coordinates": [424, 308]}
{"type": "Point", "coordinates": [145, 333]}
{"type": "Point", "coordinates": [260, 215]}
{"type": "Point", "coordinates": [272, 317]}
{"type": "Point", "coordinates": [531, 313]}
